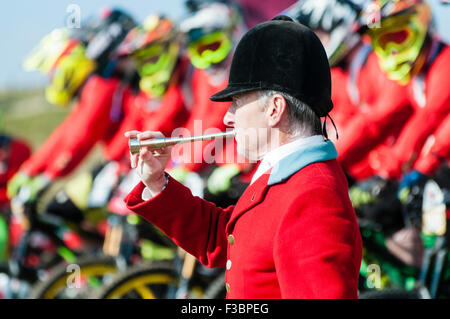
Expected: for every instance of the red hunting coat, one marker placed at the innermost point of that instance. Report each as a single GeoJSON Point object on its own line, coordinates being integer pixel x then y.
{"type": "Point", "coordinates": [292, 234]}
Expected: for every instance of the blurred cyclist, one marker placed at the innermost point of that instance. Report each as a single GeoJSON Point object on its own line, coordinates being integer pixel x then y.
{"type": "Point", "coordinates": [410, 53]}
{"type": "Point", "coordinates": [81, 68]}
{"type": "Point", "coordinates": [335, 23]}
{"type": "Point", "coordinates": [160, 103]}
{"type": "Point", "coordinates": [212, 30]}
{"type": "Point", "coordinates": [364, 117]}
{"type": "Point", "coordinates": [155, 46]}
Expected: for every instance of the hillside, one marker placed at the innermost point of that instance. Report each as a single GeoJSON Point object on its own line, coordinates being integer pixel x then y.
{"type": "Point", "coordinates": [27, 115]}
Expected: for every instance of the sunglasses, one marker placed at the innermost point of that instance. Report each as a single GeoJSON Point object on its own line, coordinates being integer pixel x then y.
{"type": "Point", "coordinates": [398, 37]}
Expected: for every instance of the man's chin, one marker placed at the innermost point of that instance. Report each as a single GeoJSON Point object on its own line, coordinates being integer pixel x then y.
{"type": "Point", "coordinates": [250, 156]}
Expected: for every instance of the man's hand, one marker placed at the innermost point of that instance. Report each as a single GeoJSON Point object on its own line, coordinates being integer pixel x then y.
{"type": "Point", "coordinates": [150, 165]}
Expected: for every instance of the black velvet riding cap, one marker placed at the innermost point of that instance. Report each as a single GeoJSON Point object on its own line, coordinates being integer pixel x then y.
{"type": "Point", "coordinates": [285, 56]}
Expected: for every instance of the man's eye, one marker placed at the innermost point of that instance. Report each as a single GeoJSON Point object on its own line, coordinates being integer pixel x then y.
{"type": "Point", "coordinates": [236, 103]}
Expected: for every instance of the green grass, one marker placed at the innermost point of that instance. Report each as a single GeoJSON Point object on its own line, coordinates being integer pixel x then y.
{"type": "Point", "coordinates": [26, 114]}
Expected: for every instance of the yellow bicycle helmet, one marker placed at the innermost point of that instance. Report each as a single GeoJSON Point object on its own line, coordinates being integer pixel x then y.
{"type": "Point", "coordinates": [69, 58]}
{"type": "Point", "coordinates": [399, 35]}
{"type": "Point", "coordinates": [64, 61]}
{"type": "Point", "coordinates": [211, 30]}
{"type": "Point", "coordinates": [71, 72]}
{"type": "Point", "coordinates": [44, 56]}
{"type": "Point", "coordinates": [155, 47]}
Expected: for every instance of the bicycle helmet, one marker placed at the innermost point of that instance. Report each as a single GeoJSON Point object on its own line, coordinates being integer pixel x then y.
{"type": "Point", "coordinates": [44, 56]}
{"type": "Point", "coordinates": [211, 30]}
{"type": "Point", "coordinates": [105, 35]}
{"type": "Point", "coordinates": [68, 75]}
{"type": "Point", "coordinates": [398, 30]}
{"type": "Point", "coordinates": [69, 57]}
{"type": "Point", "coordinates": [155, 47]}
{"type": "Point", "coordinates": [339, 19]}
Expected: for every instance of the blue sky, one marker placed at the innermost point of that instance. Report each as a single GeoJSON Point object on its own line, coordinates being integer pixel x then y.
{"type": "Point", "coordinates": [23, 23]}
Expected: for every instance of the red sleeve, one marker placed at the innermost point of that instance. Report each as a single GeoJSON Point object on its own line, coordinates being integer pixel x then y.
{"type": "Point", "coordinates": [387, 110]}
{"type": "Point", "coordinates": [431, 159]}
{"type": "Point", "coordinates": [40, 159]}
{"type": "Point", "coordinates": [425, 120]}
{"type": "Point", "coordinates": [87, 128]}
{"type": "Point", "coordinates": [312, 257]}
{"type": "Point", "coordinates": [19, 152]}
{"type": "Point", "coordinates": [194, 224]}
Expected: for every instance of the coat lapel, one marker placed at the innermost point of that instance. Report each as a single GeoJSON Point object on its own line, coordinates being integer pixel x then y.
{"type": "Point", "coordinates": [252, 196]}
{"type": "Point", "coordinates": [294, 162]}
{"type": "Point", "coordinates": [285, 168]}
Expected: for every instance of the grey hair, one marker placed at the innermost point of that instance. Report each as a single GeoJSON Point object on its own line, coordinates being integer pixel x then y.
{"type": "Point", "coordinates": [302, 119]}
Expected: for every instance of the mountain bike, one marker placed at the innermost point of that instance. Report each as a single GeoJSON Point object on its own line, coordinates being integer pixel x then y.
{"type": "Point", "coordinates": [423, 274]}
{"type": "Point", "coordinates": [36, 243]}
{"type": "Point", "coordinates": [127, 241]}
{"type": "Point", "coordinates": [182, 278]}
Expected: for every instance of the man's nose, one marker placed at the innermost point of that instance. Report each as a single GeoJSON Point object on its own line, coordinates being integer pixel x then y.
{"type": "Point", "coordinates": [228, 119]}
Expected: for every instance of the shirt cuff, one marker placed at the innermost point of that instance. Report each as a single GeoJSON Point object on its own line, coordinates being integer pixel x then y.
{"type": "Point", "coordinates": [147, 194]}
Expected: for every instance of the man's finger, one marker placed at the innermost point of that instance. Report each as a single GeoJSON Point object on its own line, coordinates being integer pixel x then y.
{"type": "Point", "coordinates": [134, 158]}
{"type": "Point", "coordinates": [146, 156]}
{"type": "Point", "coordinates": [131, 134]}
{"type": "Point", "coordinates": [148, 135]}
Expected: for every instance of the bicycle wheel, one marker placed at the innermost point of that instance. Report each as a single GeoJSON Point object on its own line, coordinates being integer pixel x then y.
{"type": "Point", "coordinates": [77, 281]}
{"type": "Point", "coordinates": [155, 280]}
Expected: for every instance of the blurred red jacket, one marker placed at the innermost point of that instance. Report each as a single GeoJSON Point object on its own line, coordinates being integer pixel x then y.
{"type": "Point", "coordinates": [430, 95]}
{"type": "Point", "coordinates": [105, 111]}
{"type": "Point", "coordinates": [88, 123]}
{"type": "Point", "coordinates": [13, 152]}
{"type": "Point", "coordinates": [381, 110]}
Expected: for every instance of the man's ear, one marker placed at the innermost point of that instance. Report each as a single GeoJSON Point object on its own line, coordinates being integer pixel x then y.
{"type": "Point", "coordinates": [275, 109]}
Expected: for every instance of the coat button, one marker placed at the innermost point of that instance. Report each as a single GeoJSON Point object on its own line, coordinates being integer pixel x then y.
{"type": "Point", "coordinates": [231, 239]}
{"type": "Point", "coordinates": [228, 264]}
{"type": "Point", "coordinates": [253, 196]}
{"type": "Point", "coordinates": [227, 287]}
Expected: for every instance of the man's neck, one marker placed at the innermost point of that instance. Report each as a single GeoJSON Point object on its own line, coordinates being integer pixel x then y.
{"type": "Point", "coordinates": [278, 139]}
